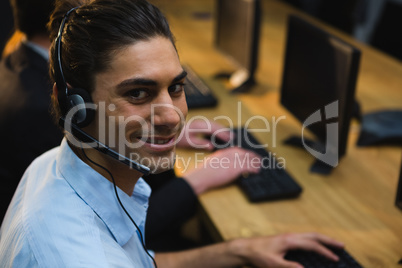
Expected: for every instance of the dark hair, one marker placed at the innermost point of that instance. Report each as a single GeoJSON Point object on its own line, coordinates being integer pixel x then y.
{"type": "Point", "coordinates": [31, 17]}
{"type": "Point", "coordinates": [96, 30]}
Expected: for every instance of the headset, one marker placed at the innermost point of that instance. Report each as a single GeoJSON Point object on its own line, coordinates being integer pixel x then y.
{"type": "Point", "coordinates": [73, 97]}
{"type": "Point", "coordinates": [70, 98]}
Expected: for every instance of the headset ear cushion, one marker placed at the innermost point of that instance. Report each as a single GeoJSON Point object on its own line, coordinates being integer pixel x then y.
{"type": "Point", "coordinates": [79, 96]}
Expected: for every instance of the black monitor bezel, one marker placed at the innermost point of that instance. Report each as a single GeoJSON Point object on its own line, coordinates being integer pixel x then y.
{"type": "Point", "coordinates": [346, 110]}
{"type": "Point", "coordinates": [255, 27]}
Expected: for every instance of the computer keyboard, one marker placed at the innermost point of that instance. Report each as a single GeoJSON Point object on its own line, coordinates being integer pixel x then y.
{"type": "Point", "coordinates": [314, 260]}
{"type": "Point", "coordinates": [198, 94]}
{"type": "Point", "coordinates": [271, 182]}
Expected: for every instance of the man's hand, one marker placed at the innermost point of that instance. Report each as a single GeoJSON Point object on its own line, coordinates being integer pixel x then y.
{"type": "Point", "coordinates": [195, 132]}
{"type": "Point", "coordinates": [259, 252]}
{"type": "Point", "coordinates": [221, 168]}
{"type": "Point", "coordinates": [270, 251]}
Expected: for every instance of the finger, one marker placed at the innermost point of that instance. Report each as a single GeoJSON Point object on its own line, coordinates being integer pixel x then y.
{"type": "Point", "coordinates": [240, 153]}
{"type": "Point", "coordinates": [326, 240]}
{"type": "Point", "coordinates": [312, 245]}
{"type": "Point", "coordinates": [200, 143]}
{"type": "Point", "coordinates": [216, 126]}
{"type": "Point", "coordinates": [248, 170]}
{"type": "Point", "coordinates": [224, 134]}
{"type": "Point", "coordinates": [253, 164]}
{"type": "Point", "coordinates": [244, 152]}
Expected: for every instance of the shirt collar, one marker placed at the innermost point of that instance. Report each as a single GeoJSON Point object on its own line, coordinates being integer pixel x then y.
{"type": "Point", "coordinates": [98, 192]}
{"type": "Point", "coordinates": [38, 49]}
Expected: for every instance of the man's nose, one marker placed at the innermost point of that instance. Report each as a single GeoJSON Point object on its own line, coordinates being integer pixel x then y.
{"type": "Point", "coordinates": [165, 113]}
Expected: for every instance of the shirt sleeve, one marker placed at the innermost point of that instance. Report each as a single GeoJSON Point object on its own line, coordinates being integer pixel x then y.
{"type": "Point", "coordinates": [169, 206]}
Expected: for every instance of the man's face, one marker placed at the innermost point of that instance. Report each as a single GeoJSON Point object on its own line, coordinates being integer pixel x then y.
{"type": "Point", "coordinates": [141, 101]}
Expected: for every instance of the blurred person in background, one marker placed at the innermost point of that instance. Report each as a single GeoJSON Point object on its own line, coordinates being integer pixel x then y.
{"type": "Point", "coordinates": [26, 126]}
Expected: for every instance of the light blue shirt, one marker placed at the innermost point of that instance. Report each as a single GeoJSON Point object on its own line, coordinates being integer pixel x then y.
{"type": "Point", "coordinates": [38, 49]}
{"type": "Point", "coordinates": [65, 214]}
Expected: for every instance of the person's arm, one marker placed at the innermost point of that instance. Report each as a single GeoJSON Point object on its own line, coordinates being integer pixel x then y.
{"type": "Point", "coordinates": [222, 168]}
{"type": "Point", "coordinates": [175, 201]}
{"type": "Point", "coordinates": [171, 204]}
{"type": "Point", "coordinates": [195, 133]}
{"type": "Point", "coordinates": [260, 252]}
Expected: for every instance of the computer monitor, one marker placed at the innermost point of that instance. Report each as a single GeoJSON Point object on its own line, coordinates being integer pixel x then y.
{"type": "Point", "coordinates": [398, 201]}
{"type": "Point", "coordinates": [237, 36]}
{"type": "Point", "coordinates": [320, 74]}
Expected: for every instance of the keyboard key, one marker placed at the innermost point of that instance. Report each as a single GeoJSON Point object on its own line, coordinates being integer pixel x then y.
{"type": "Point", "coordinates": [314, 260]}
{"type": "Point", "coordinates": [271, 183]}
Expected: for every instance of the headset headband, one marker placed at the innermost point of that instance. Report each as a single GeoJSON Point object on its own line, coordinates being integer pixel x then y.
{"type": "Point", "coordinates": [69, 98]}
{"type": "Point", "coordinates": [59, 75]}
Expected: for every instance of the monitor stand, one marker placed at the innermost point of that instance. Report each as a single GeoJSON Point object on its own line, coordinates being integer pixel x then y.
{"type": "Point", "coordinates": [318, 166]}
{"type": "Point", "coordinates": [240, 81]}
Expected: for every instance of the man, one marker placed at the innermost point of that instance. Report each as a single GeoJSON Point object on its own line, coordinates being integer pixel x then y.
{"type": "Point", "coordinates": [84, 204]}
{"type": "Point", "coordinates": [27, 128]}
{"type": "Point", "coordinates": [6, 23]}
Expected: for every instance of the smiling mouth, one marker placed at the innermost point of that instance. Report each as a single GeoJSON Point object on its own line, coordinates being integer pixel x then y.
{"type": "Point", "coordinates": [156, 141]}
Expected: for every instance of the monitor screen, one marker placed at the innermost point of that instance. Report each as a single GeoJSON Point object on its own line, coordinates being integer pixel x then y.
{"type": "Point", "coordinates": [319, 69]}
{"type": "Point", "coordinates": [237, 31]}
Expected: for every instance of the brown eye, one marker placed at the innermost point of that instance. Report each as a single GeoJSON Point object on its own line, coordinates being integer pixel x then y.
{"type": "Point", "coordinates": [138, 94]}
{"type": "Point", "coordinates": [176, 88]}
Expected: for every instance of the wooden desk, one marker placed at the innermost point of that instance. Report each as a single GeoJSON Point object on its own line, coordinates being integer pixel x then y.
{"type": "Point", "coordinates": [355, 204]}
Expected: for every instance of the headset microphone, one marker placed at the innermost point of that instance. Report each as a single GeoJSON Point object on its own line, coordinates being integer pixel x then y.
{"type": "Point", "coordinates": [85, 137]}
{"type": "Point", "coordinates": [69, 98]}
